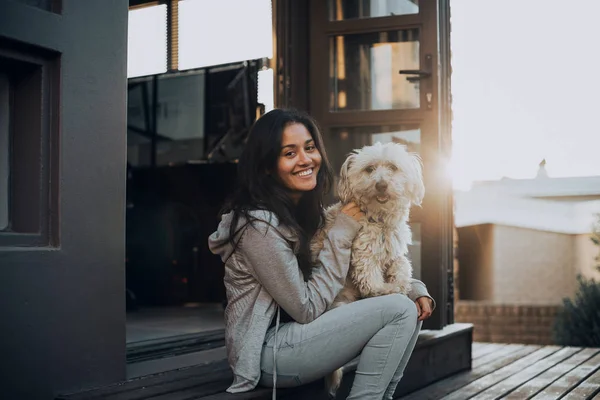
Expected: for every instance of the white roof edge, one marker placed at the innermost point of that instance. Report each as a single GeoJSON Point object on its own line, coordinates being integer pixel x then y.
{"type": "Point", "coordinates": [572, 186]}
{"type": "Point", "coordinates": [473, 208]}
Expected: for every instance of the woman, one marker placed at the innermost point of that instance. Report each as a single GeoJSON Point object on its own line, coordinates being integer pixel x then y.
{"type": "Point", "coordinates": [277, 330]}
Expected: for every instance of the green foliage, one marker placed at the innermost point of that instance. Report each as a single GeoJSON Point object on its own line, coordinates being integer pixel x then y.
{"type": "Point", "coordinates": [596, 238]}
{"type": "Point", "coordinates": [578, 323]}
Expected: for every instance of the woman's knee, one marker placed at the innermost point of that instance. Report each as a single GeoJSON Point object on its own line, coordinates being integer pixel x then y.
{"type": "Point", "coordinates": [399, 307]}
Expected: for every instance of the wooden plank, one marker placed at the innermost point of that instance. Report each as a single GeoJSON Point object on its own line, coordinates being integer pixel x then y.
{"type": "Point", "coordinates": [588, 389]}
{"type": "Point", "coordinates": [536, 385]}
{"type": "Point", "coordinates": [205, 378]}
{"type": "Point", "coordinates": [477, 345]}
{"type": "Point", "coordinates": [216, 388]}
{"type": "Point", "coordinates": [253, 395]}
{"type": "Point", "coordinates": [262, 394]}
{"type": "Point", "coordinates": [514, 381]}
{"type": "Point", "coordinates": [499, 352]}
{"type": "Point", "coordinates": [314, 391]}
{"type": "Point", "coordinates": [486, 381]}
{"type": "Point", "coordinates": [446, 386]}
{"type": "Point", "coordinates": [569, 381]}
{"type": "Point", "coordinates": [132, 387]}
{"type": "Point", "coordinates": [485, 348]}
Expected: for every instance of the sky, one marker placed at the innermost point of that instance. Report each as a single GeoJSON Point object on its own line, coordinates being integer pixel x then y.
{"type": "Point", "coordinates": [525, 86]}
{"type": "Point", "coordinates": [525, 81]}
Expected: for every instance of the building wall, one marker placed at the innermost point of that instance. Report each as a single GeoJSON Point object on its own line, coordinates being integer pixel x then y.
{"type": "Point", "coordinates": [511, 265]}
{"type": "Point", "coordinates": [62, 272]}
{"type": "Point", "coordinates": [475, 251]}
{"type": "Point", "coordinates": [585, 253]}
{"type": "Point", "coordinates": [532, 266]}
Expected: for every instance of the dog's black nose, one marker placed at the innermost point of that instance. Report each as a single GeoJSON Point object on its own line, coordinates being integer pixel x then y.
{"type": "Point", "coordinates": [381, 186]}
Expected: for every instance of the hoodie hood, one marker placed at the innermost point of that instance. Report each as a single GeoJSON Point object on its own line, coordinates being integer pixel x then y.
{"type": "Point", "coordinates": [219, 243]}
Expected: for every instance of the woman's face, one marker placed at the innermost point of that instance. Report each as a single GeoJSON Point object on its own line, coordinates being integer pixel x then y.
{"type": "Point", "coordinates": [299, 160]}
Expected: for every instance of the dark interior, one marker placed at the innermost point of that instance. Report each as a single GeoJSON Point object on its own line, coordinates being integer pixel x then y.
{"type": "Point", "coordinates": [183, 169]}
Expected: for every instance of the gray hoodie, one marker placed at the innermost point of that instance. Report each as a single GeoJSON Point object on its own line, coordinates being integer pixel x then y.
{"type": "Point", "coordinates": [263, 273]}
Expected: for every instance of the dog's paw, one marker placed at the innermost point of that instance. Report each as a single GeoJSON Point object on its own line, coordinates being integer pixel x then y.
{"type": "Point", "coordinates": [388, 288]}
{"type": "Point", "coordinates": [396, 289]}
{"type": "Point", "coordinates": [333, 382]}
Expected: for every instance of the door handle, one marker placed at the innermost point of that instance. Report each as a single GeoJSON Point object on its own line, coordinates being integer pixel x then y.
{"type": "Point", "coordinates": [419, 72]}
{"type": "Point", "coordinates": [416, 75]}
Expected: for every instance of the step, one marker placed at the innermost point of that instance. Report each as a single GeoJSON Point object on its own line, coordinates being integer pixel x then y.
{"type": "Point", "coordinates": [438, 354]}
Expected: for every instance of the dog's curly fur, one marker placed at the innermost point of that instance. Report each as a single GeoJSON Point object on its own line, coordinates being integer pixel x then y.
{"type": "Point", "coordinates": [384, 180]}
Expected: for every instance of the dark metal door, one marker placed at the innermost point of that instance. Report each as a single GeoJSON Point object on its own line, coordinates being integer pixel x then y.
{"type": "Point", "coordinates": [62, 191]}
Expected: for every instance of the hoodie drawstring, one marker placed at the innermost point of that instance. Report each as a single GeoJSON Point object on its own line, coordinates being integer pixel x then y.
{"type": "Point", "coordinates": [275, 357]}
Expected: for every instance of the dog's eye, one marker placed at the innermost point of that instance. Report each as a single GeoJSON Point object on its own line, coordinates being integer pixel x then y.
{"type": "Point", "coordinates": [392, 167]}
{"type": "Point", "coordinates": [369, 169]}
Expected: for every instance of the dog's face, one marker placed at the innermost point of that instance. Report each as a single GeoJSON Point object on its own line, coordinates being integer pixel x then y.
{"type": "Point", "coordinates": [382, 177]}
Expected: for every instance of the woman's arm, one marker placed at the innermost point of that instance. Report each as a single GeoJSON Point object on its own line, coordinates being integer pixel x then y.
{"type": "Point", "coordinates": [418, 289]}
{"type": "Point", "coordinates": [276, 267]}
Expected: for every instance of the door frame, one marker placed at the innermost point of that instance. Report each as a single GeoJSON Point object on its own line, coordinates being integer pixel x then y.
{"type": "Point", "coordinates": [433, 117]}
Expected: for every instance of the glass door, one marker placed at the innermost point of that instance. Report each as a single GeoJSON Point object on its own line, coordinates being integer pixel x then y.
{"type": "Point", "coordinates": [379, 73]}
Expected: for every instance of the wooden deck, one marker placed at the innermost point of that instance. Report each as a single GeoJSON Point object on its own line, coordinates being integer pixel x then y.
{"type": "Point", "coordinates": [499, 371]}
{"type": "Point", "coordinates": [519, 372]}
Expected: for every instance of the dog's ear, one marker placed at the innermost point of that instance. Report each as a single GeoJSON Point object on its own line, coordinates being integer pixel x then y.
{"type": "Point", "coordinates": [344, 191]}
{"type": "Point", "coordinates": [416, 188]}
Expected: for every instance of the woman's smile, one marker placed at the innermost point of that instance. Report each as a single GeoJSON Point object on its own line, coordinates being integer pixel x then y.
{"type": "Point", "coordinates": [307, 173]}
{"type": "Point", "coordinates": [299, 160]}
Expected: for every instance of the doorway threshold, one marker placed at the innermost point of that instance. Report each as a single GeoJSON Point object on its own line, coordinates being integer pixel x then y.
{"type": "Point", "coordinates": [159, 365]}
{"type": "Point", "coordinates": [171, 346]}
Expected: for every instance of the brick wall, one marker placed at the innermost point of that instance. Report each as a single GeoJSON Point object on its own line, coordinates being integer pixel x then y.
{"type": "Point", "coordinates": [504, 323]}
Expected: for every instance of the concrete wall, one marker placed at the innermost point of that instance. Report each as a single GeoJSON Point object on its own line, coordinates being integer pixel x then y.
{"type": "Point", "coordinates": [475, 262]}
{"type": "Point", "coordinates": [585, 253]}
{"type": "Point", "coordinates": [532, 266]}
{"type": "Point", "coordinates": [505, 264]}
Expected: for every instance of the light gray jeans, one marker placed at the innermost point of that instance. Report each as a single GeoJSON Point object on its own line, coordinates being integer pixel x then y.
{"type": "Point", "coordinates": [382, 330]}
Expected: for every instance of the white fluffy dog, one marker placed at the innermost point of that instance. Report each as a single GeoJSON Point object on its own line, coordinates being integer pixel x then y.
{"type": "Point", "coordinates": [384, 180]}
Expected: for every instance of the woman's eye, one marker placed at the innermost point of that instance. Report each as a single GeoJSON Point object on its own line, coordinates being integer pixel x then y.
{"type": "Point", "coordinates": [369, 169]}
{"type": "Point", "coordinates": [290, 154]}
{"type": "Point", "coordinates": [310, 148]}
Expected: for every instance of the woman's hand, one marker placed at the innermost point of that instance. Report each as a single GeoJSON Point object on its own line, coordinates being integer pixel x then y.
{"type": "Point", "coordinates": [353, 211]}
{"type": "Point", "coordinates": [424, 307]}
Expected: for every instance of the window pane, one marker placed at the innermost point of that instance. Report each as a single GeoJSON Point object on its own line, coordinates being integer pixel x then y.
{"type": "Point", "coordinates": [351, 9]}
{"type": "Point", "coordinates": [341, 141]}
{"type": "Point", "coordinates": [147, 41]}
{"type": "Point", "coordinates": [4, 150]}
{"type": "Point", "coordinates": [179, 119]}
{"type": "Point", "coordinates": [139, 103]}
{"type": "Point", "coordinates": [414, 249]}
{"type": "Point", "coordinates": [266, 94]}
{"type": "Point", "coordinates": [364, 71]}
{"type": "Point", "coordinates": [224, 31]}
